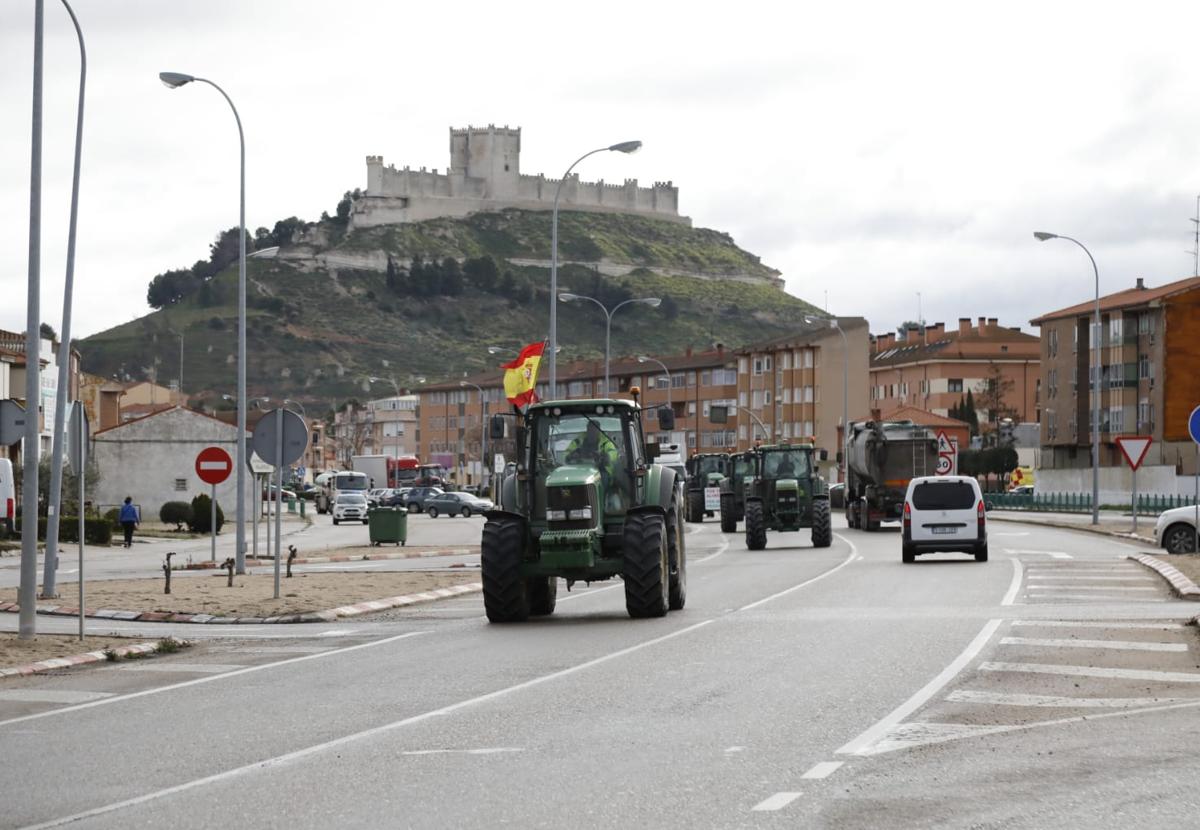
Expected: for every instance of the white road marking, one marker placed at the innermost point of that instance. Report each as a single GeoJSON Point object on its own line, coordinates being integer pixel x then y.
{"type": "Point", "coordinates": [315, 749]}
{"type": "Point", "coordinates": [862, 744]}
{"type": "Point", "coordinates": [1116, 645]}
{"type": "Point", "coordinates": [1052, 701]}
{"type": "Point", "coordinates": [1073, 624]}
{"type": "Point", "coordinates": [1054, 554]}
{"type": "Point", "coordinates": [1006, 535]}
{"type": "Point", "coordinates": [338, 632]}
{"type": "Point", "coordinates": [1094, 671]}
{"type": "Point", "coordinates": [495, 750]}
{"type": "Point", "coordinates": [1130, 578]}
{"type": "Point", "coordinates": [1015, 585]}
{"type": "Point", "coordinates": [849, 558]}
{"type": "Point", "coordinates": [823, 769]}
{"type": "Point", "coordinates": [200, 668]}
{"type": "Point", "coordinates": [50, 695]}
{"type": "Point", "coordinates": [731, 750]}
{"type": "Point", "coordinates": [775, 802]}
{"type": "Point", "coordinates": [1108, 589]}
{"type": "Point", "coordinates": [211, 678]}
{"type": "Point", "coordinates": [1050, 595]}
{"type": "Point", "coordinates": [619, 584]}
{"type": "Point", "coordinates": [239, 649]}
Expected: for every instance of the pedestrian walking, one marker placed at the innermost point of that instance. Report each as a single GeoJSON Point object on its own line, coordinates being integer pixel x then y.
{"type": "Point", "coordinates": [128, 520]}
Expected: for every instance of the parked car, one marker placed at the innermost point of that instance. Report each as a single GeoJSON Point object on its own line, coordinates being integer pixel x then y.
{"type": "Point", "coordinates": [943, 514]}
{"type": "Point", "coordinates": [415, 498]}
{"type": "Point", "coordinates": [456, 504]}
{"type": "Point", "coordinates": [350, 507]}
{"type": "Point", "coordinates": [1022, 490]}
{"type": "Point", "coordinates": [376, 494]}
{"type": "Point", "coordinates": [272, 492]}
{"type": "Point", "coordinates": [394, 497]}
{"type": "Point", "coordinates": [1175, 530]}
{"type": "Point", "coordinates": [8, 496]}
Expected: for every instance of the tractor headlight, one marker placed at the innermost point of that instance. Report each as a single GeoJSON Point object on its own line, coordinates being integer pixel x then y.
{"type": "Point", "coordinates": [556, 515]}
{"type": "Point", "coordinates": [583, 513]}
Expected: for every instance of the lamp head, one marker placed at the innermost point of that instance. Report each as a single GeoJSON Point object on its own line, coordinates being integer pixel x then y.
{"type": "Point", "coordinates": [174, 79]}
{"type": "Point", "coordinates": [642, 358]}
{"type": "Point", "coordinates": [1042, 236]}
{"type": "Point", "coordinates": [496, 349]}
{"type": "Point", "coordinates": [653, 302]}
{"type": "Point", "coordinates": [567, 297]}
{"type": "Point", "coordinates": [627, 147]}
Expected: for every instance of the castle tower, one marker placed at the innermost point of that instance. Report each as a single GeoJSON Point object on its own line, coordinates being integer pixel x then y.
{"type": "Point", "coordinates": [491, 154]}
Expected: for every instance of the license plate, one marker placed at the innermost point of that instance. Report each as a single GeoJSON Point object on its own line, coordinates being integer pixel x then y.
{"type": "Point", "coordinates": [942, 529]}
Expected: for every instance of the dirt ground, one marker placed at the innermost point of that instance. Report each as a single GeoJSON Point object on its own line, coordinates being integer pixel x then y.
{"type": "Point", "coordinates": [252, 594]}
{"type": "Point", "coordinates": [1187, 564]}
{"type": "Point", "coordinates": [14, 652]}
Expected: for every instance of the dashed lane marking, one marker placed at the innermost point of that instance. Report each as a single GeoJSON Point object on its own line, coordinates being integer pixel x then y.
{"type": "Point", "coordinates": [50, 696]}
{"type": "Point", "coordinates": [1115, 645]}
{"type": "Point", "coordinates": [1053, 701]}
{"type": "Point", "coordinates": [775, 802]}
{"type": "Point", "coordinates": [823, 769]}
{"type": "Point", "coordinates": [734, 749]}
{"type": "Point", "coordinates": [1094, 671]}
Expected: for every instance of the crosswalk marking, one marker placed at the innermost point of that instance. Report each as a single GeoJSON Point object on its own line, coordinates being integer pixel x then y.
{"type": "Point", "coordinates": [1117, 645]}
{"type": "Point", "coordinates": [1056, 578]}
{"type": "Point", "coordinates": [823, 769]}
{"type": "Point", "coordinates": [1089, 597]}
{"type": "Point", "coordinates": [1150, 626]}
{"type": "Point", "coordinates": [50, 695]}
{"type": "Point", "coordinates": [1093, 671]}
{"type": "Point", "coordinates": [776, 802]}
{"type": "Point", "coordinates": [1052, 701]}
{"type": "Point", "coordinates": [1105, 588]}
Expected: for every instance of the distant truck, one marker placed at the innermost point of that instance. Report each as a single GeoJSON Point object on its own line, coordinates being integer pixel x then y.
{"type": "Point", "coordinates": [398, 470]}
{"type": "Point", "coordinates": [881, 458]}
{"type": "Point", "coordinates": [330, 484]}
{"type": "Point", "coordinates": [375, 467]}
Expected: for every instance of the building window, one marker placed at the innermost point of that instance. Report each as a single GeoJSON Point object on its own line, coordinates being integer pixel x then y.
{"type": "Point", "coordinates": [678, 380]}
{"type": "Point", "coordinates": [181, 485]}
{"type": "Point", "coordinates": [954, 385]}
{"type": "Point", "coordinates": [741, 398]}
{"type": "Point", "coordinates": [808, 429]}
{"type": "Point", "coordinates": [743, 364]}
{"type": "Point", "coordinates": [706, 377]}
{"type": "Point", "coordinates": [766, 397]}
{"type": "Point", "coordinates": [756, 399]}
{"type": "Point", "coordinates": [785, 360]}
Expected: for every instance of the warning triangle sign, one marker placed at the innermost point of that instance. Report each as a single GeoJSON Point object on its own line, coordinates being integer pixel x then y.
{"type": "Point", "coordinates": [1134, 448]}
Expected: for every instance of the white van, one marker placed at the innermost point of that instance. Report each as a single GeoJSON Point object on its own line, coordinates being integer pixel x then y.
{"type": "Point", "coordinates": [944, 514]}
{"type": "Point", "coordinates": [8, 496]}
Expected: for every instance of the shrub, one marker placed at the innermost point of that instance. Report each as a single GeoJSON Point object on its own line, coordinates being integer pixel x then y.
{"type": "Point", "coordinates": [95, 531]}
{"type": "Point", "coordinates": [113, 517]}
{"type": "Point", "coordinates": [201, 520]}
{"type": "Point", "coordinates": [178, 513]}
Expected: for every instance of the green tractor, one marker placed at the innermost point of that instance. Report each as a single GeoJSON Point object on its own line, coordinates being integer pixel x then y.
{"type": "Point", "coordinates": [787, 493]}
{"type": "Point", "coordinates": [733, 490]}
{"type": "Point", "coordinates": [708, 469]}
{"type": "Point", "coordinates": [586, 502]}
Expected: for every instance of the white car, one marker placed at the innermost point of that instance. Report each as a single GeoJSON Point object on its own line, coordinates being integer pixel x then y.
{"type": "Point", "coordinates": [1175, 530]}
{"type": "Point", "coordinates": [944, 514]}
{"type": "Point", "coordinates": [350, 507]}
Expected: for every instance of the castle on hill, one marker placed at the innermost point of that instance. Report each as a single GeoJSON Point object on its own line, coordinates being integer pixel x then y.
{"type": "Point", "coordinates": [485, 175]}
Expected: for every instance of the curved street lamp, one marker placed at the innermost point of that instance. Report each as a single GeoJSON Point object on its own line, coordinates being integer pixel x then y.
{"type": "Point", "coordinates": [647, 359]}
{"type": "Point", "coordinates": [622, 147]}
{"type": "Point", "coordinates": [567, 297]}
{"type": "Point", "coordinates": [483, 465]}
{"type": "Point", "coordinates": [1097, 383]}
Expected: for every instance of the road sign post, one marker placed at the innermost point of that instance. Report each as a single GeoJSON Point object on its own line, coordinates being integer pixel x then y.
{"type": "Point", "coordinates": [947, 463]}
{"type": "Point", "coordinates": [280, 439]}
{"type": "Point", "coordinates": [77, 453]}
{"type": "Point", "coordinates": [1194, 431]}
{"type": "Point", "coordinates": [213, 465]}
{"type": "Point", "coordinates": [1134, 448]}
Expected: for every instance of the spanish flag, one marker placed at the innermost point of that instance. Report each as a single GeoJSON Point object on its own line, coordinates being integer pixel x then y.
{"type": "Point", "coordinates": [520, 376]}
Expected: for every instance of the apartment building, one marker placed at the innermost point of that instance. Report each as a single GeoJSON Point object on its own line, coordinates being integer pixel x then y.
{"type": "Point", "coordinates": [1149, 349]}
{"type": "Point", "coordinates": [935, 368]}
{"type": "Point", "coordinates": [12, 382]}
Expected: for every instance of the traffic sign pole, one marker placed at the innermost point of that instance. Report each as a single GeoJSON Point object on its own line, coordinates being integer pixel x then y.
{"type": "Point", "coordinates": [82, 473]}
{"type": "Point", "coordinates": [279, 491]}
{"type": "Point", "coordinates": [213, 521]}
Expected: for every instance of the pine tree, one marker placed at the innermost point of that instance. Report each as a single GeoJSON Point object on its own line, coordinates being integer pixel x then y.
{"type": "Point", "coordinates": [972, 416]}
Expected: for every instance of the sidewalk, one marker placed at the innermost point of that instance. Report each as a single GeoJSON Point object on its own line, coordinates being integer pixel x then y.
{"type": "Point", "coordinates": [1112, 523]}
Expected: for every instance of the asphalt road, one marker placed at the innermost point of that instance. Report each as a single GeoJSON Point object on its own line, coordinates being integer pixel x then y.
{"type": "Point", "coordinates": [1053, 686]}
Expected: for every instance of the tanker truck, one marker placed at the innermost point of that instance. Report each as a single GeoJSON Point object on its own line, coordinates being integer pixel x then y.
{"type": "Point", "coordinates": [881, 458]}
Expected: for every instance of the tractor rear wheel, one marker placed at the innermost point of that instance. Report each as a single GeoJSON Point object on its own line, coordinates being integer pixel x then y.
{"type": "Point", "coordinates": [505, 593]}
{"type": "Point", "coordinates": [677, 561]}
{"type": "Point", "coordinates": [822, 527]}
{"type": "Point", "coordinates": [756, 528]}
{"type": "Point", "coordinates": [543, 595]}
{"type": "Point", "coordinates": [646, 570]}
{"type": "Point", "coordinates": [728, 519]}
{"type": "Point", "coordinates": [695, 508]}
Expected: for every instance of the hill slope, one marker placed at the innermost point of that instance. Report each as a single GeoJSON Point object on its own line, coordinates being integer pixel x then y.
{"type": "Point", "coordinates": [337, 306]}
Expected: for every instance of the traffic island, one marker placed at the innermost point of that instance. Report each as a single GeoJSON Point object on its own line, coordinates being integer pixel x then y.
{"type": "Point", "coordinates": [48, 652]}
{"type": "Point", "coordinates": [1180, 570]}
{"type": "Point", "coordinates": [304, 598]}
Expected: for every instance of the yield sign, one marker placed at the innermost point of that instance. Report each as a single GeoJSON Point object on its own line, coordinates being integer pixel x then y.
{"type": "Point", "coordinates": [1134, 448]}
{"type": "Point", "coordinates": [213, 465]}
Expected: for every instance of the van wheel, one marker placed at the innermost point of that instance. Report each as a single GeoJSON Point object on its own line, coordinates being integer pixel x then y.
{"type": "Point", "coordinates": [981, 554]}
{"type": "Point", "coordinates": [908, 555]}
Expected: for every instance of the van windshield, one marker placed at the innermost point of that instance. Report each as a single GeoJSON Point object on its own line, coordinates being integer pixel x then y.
{"type": "Point", "coordinates": [943, 495]}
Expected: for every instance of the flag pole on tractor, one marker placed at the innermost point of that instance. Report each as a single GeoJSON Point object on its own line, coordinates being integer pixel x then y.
{"type": "Point", "coordinates": [520, 375]}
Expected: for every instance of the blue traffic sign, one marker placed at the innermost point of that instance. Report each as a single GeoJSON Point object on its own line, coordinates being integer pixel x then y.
{"type": "Point", "coordinates": [1194, 425]}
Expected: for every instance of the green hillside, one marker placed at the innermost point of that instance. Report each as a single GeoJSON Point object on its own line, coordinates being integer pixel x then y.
{"type": "Point", "coordinates": [315, 332]}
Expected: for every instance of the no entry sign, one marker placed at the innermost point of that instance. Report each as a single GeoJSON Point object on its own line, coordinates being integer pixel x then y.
{"type": "Point", "coordinates": [213, 465]}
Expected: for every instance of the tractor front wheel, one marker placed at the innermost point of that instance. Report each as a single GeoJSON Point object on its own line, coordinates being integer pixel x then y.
{"type": "Point", "coordinates": [677, 562]}
{"type": "Point", "coordinates": [756, 528]}
{"type": "Point", "coordinates": [543, 595]}
{"type": "Point", "coordinates": [695, 508]}
{"type": "Point", "coordinates": [728, 517]}
{"type": "Point", "coordinates": [505, 593]}
{"type": "Point", "coordinates": [646, 570]}
{"type": "Point", "coordinates": [822, 524]}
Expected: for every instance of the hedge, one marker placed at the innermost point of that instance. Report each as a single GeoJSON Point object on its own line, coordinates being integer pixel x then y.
{"type": "Point", "coordinates": [95, 531]}
{"type": "Point", "coordinates": [201, 521]}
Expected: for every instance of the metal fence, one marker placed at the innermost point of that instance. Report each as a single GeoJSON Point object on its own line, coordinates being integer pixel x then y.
{"type": "Point", "coordinates": [1148, 505]}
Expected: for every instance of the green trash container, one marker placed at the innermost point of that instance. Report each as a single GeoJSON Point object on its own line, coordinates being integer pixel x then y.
{"type": "Point", "coordinates": [387, 524]}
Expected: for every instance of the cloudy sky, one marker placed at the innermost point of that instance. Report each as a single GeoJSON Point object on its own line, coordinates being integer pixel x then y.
{"type": "Point", "coordinates": [869, 151]}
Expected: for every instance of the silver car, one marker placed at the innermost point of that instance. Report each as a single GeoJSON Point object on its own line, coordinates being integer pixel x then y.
{"type": "Point", "coordinates": [1175, 530]}
{"type": "Point", "coordinates": [350, 507]}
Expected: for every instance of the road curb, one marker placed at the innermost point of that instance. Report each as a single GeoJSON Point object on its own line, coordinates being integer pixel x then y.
{"type": "Point", "coordinates": [76, 660]}
{"type": "Point", "coordinates": [1183, 587]}
{"type": "Point", "coordinates": [373, 557]}
{"type": "Point", "coordinates": [328, 615]}
{"type": "Point", "coordinates": [1069, 526]}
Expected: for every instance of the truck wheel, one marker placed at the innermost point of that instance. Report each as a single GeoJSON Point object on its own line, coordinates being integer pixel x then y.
{"type": "Point", "coordinates": [645, 570]}
{"type": "Point", "coordinates": [822, 529]}
{"type": "Point", "coordinates": [728, 519]}
{"type": "Point", "coordinates": [505, 593]}
{"type": "Point", "coordinates": [677, 562]}
{"type": "Point", "coordinates": [543, 595]}
{"type": "Point", "coordinates": [695, 508]}
{"type": "Point", "coordinates": [756, 530]}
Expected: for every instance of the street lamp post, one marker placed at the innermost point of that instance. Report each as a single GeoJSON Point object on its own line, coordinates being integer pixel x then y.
{"type": "Point", "coordinates": [174, 80]}
{"type": "Point", "coordinates": [567, 297]}
{"type": "Point", "coordinates": [833, 323]}
{"type": "Point", "coordinates": [623, 147]}
{"type": "Point", "coordinates": [483, 465]}
{"type": "Point", "coordinates": [1042, 236]}
{"type": "Point", "coordinates": [758, 421]}
{"type": "Point", "coordinates": [647, 359]}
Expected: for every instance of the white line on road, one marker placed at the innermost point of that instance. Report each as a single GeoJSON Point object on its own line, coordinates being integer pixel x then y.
{"type": "Point", "coordinates": [1130, 578]}
{"type": "Point", "coordinates": [1116, 645]}
{"type": "Point", "coordinates": [1054, 554]}
{"type": "Point", "coordinates": [1053, 595]}
{"type": "Point", "coordinates": [279, 760]}
{"type": "Point", "coordinates": [823, 769]}
{"type": "Point", "coordinates": [862, 744]}
{"type": "Point", "coordinates": [775, 802]}
{"type": "Point", "coordinates": [50, 695]}
{"type": "Point", "coordinates": [1167, 626]}
{"type": "Point", "coordinates": [493, 750]}
{"type": "Point", "coordinates": [731, 750]}
{"type": "Point", "coordinates": [1108, 589]}
{"type": "Point", "coordinates": [199, 668]}
{"type": "Point", "coordinates": [1094, 671]}
{"type": "Point", "coordinates": [1052, 701]}
{"type": "Point", "coordinates": [849, 558]}
{"type": "Point", "coordinates": [184, 684]}
{"type": "Point", "coordinates": [1015, 585]}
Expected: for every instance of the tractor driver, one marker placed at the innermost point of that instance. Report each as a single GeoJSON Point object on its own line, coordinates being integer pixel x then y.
{"type": "Point", "coordinates": [595, 446]}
